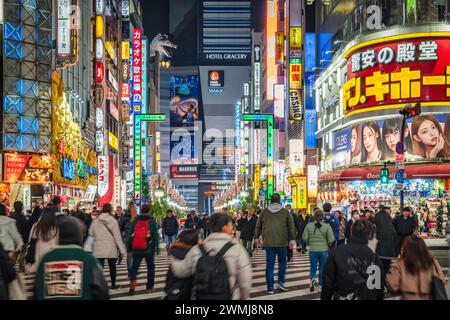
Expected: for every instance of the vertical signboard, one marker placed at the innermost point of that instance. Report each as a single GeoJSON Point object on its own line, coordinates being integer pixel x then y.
{"type": "Point", "coordinates": [296, 156]}
{"type": "Point", "coordinates": [271, 28]}
{"type": "Point", "coordinates": [310, 129]}
{"type": "Point", "coordinates": [278, 101]}
{"type": "Point", "coordinates": [105, 179]}
{"type": "Point", "coordinates": [302, 195]}
{"type": "Point", "coordinates": [144, 101]}
{"type": "Point", "coordinates": [312, 172]}
{"type": "Point", "coordinates": [256, 181]}
{"type": "Point", "coordinates": [137, 70]}
{"type": "Point", "coordinates": [310, 52]}
{"type": "Point", "coordinates": [63, 37]}
{"type": "Point", "coordinates": [257, 79]}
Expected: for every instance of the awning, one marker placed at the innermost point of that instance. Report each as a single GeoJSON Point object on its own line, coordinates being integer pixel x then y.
{"type": "Point", "coordinates": [415, 171]}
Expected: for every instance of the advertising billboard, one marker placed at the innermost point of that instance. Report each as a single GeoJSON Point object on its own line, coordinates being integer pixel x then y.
{"type": "Point", "coordinates": [105, 179]}
{"type": "Point", "coordinates": [182, 147]}
{"type": "Point", "coordinates": [426, 138]}
{"type": "Point", "coordinates": [137, 70]}
{"type": "Point", "coordinates": [28, 169]}
{"type": "Point", "coordinates": [278, 101]}
{"type": "Point", "coordinates": [184, 108]}
{"type": "Point", "coordinates": [390, 75]}
{"type": "Point", "coordinates": [184, 172]}
{"type": "Point", "coordinates": [216, 78]}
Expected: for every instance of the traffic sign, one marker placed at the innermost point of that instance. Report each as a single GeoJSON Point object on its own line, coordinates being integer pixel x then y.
{"type": "Point", "coordinates": [400, 176]}
{"type": "Point", "coordinates": [400, 147]}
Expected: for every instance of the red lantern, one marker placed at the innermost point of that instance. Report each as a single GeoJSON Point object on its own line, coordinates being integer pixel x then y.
{"type": "Point", "coordinates": [99, 72]}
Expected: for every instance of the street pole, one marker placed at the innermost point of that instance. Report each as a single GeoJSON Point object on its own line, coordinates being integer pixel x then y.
{"type": "Point", "coordinates": [402, 139]}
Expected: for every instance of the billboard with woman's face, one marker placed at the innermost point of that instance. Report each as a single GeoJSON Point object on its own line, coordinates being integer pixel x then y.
{"type": "Point", "coordinates": [425, 137]}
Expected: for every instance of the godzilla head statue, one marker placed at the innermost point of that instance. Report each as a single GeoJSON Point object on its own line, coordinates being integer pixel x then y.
{"type": "Point", "coordinates": [159, 44]}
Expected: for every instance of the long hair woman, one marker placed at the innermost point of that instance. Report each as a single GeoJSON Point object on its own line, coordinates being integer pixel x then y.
{"type": "Point", "coordinates": [387, 239]}
{"type": "Point", "coordinates": [43, 237]}
{"type": "Point", "coordinates": [372, 144]}
{"type": "Point", "coordinates": [355, 144]}
{"type": "Point", "coordinates": [428, 138]}
{"type": "Point", "coordinates": [108, 243]}
{"type": "Point", "coordinates": [392, 134]}
{"type": "Point", "coordinates": [410, 276]}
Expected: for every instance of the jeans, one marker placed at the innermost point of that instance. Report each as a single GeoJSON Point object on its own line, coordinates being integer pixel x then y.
{"type": "Point", "coordinates": [169, 239]}
{"type": "Point", "coordinates": [112, 268]}
{"type": "Point", "coordinates": [248, 245]}
{"type": "Point", "coordinates": [303, 245]}
{"type": "Point", "coordinates": [271, 253]}
{"type": "Point", "coordinates": [317, 258]}
{"type": "Point", "coordinates": [149, 259]}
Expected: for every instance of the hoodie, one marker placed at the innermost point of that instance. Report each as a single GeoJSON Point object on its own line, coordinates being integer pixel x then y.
{"type": "Point", "coordinates": [10, 237]}
{"type": "Point", "coordinates": [276, 226]}
{"type": "Point", "coordinates": [107, 243]}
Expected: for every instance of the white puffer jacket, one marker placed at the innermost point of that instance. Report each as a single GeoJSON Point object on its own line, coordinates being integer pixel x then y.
{"type": "Point", "coordinates": [106, 244]}
{"type": "Point", "coordinates": [10, 237]}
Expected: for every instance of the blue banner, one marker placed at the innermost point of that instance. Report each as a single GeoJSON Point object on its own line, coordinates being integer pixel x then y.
{"type": "Point", "coordinates": [310, 52]}
{"type": "Point", "coordinates": [310, 99]}
{"type": "Point", "coordinates": [310, 129]}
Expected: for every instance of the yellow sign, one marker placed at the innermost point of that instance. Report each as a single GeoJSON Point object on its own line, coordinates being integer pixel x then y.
{"type": "Point", "coordinates": [256, 180]}
{"type": "Point", "coordinates": [279, 52]}
{"type": "Point", "coordinates": [125, 50]}
{"type": "Point", "coordinates": [99, 27]}
{"type": "Point", "coordinates": [113, 141]}
{"type": "Point", "coordinates": [295, 38]}
{"type": "Point", "coordinates": [110, 49]}
{"type": "Point", "coordinates": [295, 75]}
{"type": "Point", "coordinates": [299, 192]}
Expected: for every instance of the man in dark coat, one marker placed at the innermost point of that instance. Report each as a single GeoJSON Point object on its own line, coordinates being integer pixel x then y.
{"type": "Point", "coordinates": [303, 219]}
{"type": "Point", "coordinates": [193, 222]}
{"type": "Point", "coordinates": [248, 226]}
{"type": "Point", "coordinates": [169, 228]}
{"type": "Point", "coordinates": [404, 225]}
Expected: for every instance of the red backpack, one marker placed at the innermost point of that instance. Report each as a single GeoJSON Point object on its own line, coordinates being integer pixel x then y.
{"type": "Point", "coordinates": [141, 235]}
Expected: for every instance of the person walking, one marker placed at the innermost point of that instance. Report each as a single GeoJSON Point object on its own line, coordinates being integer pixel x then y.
{"type": "Point", "coordinates": [206, 231]}
{"type": "Point", "coordinates": [43, 238]}
{"type": "Point", "coordinates": [342, 224]}
{"type": "Point", "coordinates": [169, 228]}
{"type": "Point", "coordinates": [10, 238]}
{"type": "Point", "coordinates": [21, 221]}
{"type": "Point", "coordinates": [355, 217]}
{"type": "Point", "coordinates": [332, 221]}
{"type": "Point", "coordinates": [232, 263]}
{"type": "Point", "coordinates": [7, 274]}
{"type": "Point", "coordinates": [411, 275]}
{"type": "Point", "coordinates": [179, 288]}
{"type": "Point", "coordinates": [278, 233]}
{"type": "Point", "coordinates": [405, 226]}
{"type": "Point", "coordinates": [319, 236]}
{"type": "Point", "coordinates": [192, 221]}
{"type": "Point", "coordinates": [143, 243]}
{"type": "Point", "coordinates": [66, 259]}
{"type": "Point", "coordinates": [387, 239]}
{"type": "Point", "coordinates": [346, 270]}
{"type": "Point", "coordinates": [107, 243]}
{"type": "Point", "coordinates": [296, 225]}
{"type": "Point", "coordinates": [303, 219]}
{"type": "Point", "coordinates": [248, 226]}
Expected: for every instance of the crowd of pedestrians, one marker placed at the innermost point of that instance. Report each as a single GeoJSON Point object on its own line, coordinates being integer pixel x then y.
{"type": "Point", "coordinates": [370, 256]}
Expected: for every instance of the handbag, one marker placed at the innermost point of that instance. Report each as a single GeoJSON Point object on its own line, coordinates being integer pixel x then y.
{"type": "Point", "coordinates": [16, 288]}
{"type": "Point", "coordinates": [31, 251]}
{"type": "Point", "coordinates": [438, 291]}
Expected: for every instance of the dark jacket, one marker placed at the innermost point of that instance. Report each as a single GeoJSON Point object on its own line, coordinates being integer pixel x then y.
{"type": "Point", "coordinates": [52, 283]}
{"type": "Point", "coordinates": [153, 241]}
{"type": "Point", "coordinates": [276, 227]}
{"type": "Point", "coordinates": [179, 250]}
{"type": "Point", "coordinates": [84, 217]}
{"type": "Point", "coordinates": [301, 224]}
{"type": "Point", "coordinates": [386, 236]}
{"type": "Point", "coordinates": [7, 273]}
{"type": "Point", "coordinates": [404, 227]}
{"type": "Point", "coordinates": [124, 224]}
{"type": "Point", "coordinates": [348, 227]}
{"type": "Point", "coordinates": [345, 271]}
{"type": "Point", "coordinates": [296, 224]}
{"type": "Point", "coordinates": [193, 223]}
{"type": "Point", "coordinates": [170, 226]}
{"type": "Point", "coordinates": [248, 228]}
{"type": "Point", "coordinates": [206, 227]}
{"type": "Point", "coordinates": [22, 225]}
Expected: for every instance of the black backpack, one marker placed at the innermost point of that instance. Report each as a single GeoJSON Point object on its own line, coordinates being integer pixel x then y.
{"type": "Point", "coordinates": [211, 276]}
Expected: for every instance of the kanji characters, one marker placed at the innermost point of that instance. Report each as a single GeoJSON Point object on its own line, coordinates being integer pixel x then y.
{"type": "Point", "coordinates": [368, 59]}
{"type": "Point", "coordinates": [406, 52]}
{"type": "Point", "coordinates": [427, 50]}
{"type": "Point", "coordinates": [356, 62]}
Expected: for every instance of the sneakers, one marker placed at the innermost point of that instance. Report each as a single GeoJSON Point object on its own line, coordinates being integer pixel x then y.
{"type": "Point", "coordinates": [312, 286]}
{"type": "Point", "coordinates": [282, 287]}
{"type": "Point", "coordinates": [115, 287]}
{"type": "Point", "coordinates": [270, 292]}
{"type": "Point", "coordinates": [149, 290]}
{"type": "Point", "coordinates": [133, 286]}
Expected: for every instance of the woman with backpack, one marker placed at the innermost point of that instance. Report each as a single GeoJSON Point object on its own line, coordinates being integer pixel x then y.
{"type": "Point", "coordinates": [43, 238]}
{"type": "Point", "coordinates": [180, 288]}
{"type": "Point", "coordinates": [412, 275]}
{"type": "Point", "coordinates": [319, 236]}
{"type": "Point", "coordinates": [107, 241]}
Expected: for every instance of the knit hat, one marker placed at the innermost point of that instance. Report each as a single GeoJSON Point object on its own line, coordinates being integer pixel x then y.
{"type": "Point", "coordinates": [318, 214]}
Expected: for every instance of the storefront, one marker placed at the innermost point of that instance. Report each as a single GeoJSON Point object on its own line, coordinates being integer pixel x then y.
{"type": "Point", "coordinates": [75, 164]}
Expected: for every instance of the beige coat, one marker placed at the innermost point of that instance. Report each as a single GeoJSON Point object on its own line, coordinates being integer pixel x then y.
{"type": "Point", "coordinates": [42, 247]}
{"type": "Point", "coordinates": [236, 258]}
{"type": "Point", "coordinates": [409, 286]}
{"type": "Point", "coordinates": [105, 245]}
